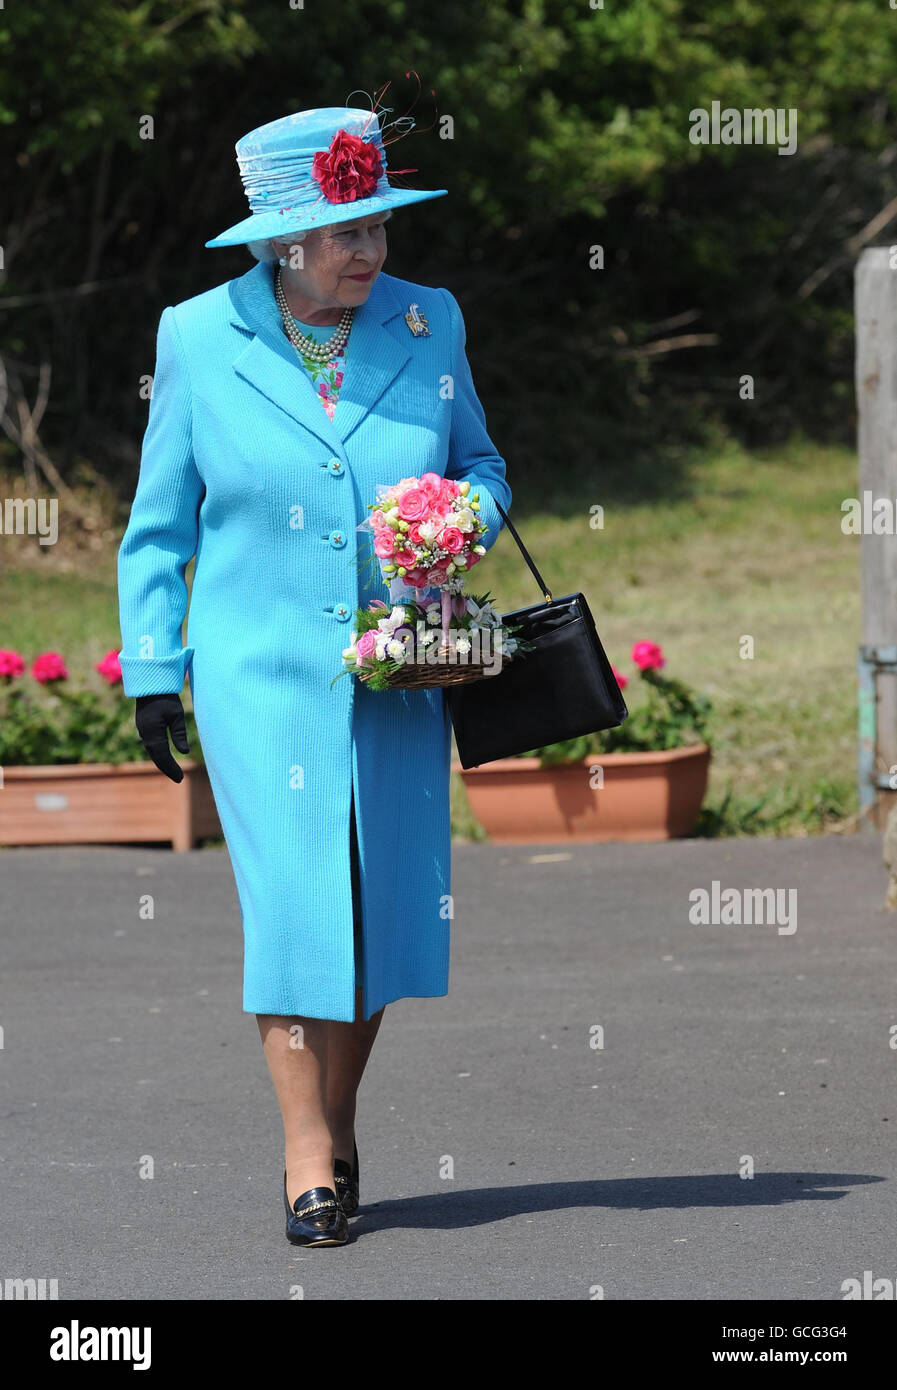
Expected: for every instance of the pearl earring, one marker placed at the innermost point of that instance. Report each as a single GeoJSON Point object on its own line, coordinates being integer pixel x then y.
{"type": "Point", "coordinates": [283, 260]}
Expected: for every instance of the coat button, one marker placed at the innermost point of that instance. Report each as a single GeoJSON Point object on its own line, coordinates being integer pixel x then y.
{"type": "Point", "coordinates": [341, 612]}
{"type": "Point", "coordinates": [337, 539]}
{"type": "Point", "coordinates": [335, 465]}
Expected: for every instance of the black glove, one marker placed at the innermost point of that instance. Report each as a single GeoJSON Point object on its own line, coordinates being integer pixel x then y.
{"type": "Point", "coordinates": [155, 715]}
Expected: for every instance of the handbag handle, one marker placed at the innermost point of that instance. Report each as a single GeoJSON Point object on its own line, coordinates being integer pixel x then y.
{"type": "Point", "coordinates": [525, 553]}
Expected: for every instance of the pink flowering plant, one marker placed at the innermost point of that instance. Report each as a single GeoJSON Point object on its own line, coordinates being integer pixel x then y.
{"type": "Point", "coordinates": [670, 715]}
{"type": "Point", "coordinates": [46, 721]}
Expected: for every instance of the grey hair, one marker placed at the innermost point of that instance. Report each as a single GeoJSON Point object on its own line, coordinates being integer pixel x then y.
{"type": "Point", "coordinates": [264, 250]}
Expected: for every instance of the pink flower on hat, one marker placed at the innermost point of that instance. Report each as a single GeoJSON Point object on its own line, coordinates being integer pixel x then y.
{"type": "Point", "coordinates": [349, 169]}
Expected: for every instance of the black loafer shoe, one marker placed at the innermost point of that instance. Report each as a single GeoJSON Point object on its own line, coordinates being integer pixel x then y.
{"type": "Point", "coordinates": [345, 1180]}
{"type": "Point", "coordinates": [316, 1218]}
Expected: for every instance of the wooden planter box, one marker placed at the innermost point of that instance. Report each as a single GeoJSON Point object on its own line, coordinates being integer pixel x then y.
{"type": "Point", "coordinates": [106, 803]}
{"type": "Point", "coordinates": [645, 796]}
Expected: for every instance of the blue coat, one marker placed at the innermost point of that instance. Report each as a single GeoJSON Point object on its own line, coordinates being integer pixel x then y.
{"type": "Point", "coordinates": [242, 467]}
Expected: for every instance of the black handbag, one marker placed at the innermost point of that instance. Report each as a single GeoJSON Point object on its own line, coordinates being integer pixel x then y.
{"type": "Point", "coordinates": [562, 688]}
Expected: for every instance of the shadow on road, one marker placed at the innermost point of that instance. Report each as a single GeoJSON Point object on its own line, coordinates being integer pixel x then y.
{"type": "Point", "coordinates": [480, 1206]}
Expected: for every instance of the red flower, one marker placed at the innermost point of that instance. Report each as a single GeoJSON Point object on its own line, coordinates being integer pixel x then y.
{"type": "Point", "coordinates": [110, 668]}
{"type": "Point", "coordinates": [648, 656]}
{"type": "Point", "coordinates": [47, 667]}
{"type": "Point", "coordinates": [622, 681]}
{"type": "Point", "coordinates": [11, 664]}
{"type": "Point", "coordinates": [350, 169]}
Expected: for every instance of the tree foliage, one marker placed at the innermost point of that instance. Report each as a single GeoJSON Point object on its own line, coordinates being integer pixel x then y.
{"type": "Point", "coordinates": [569, 131]}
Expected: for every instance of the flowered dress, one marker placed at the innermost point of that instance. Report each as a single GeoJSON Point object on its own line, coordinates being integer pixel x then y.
{"type": "Point", "coordinates": [326, 378]}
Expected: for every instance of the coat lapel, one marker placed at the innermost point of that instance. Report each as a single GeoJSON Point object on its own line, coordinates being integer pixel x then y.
{"type": "Point", "coordinates": [269, 362]}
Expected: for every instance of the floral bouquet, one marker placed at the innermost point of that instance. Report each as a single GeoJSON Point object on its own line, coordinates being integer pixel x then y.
{"type": "Point", "coordinates": [426, 532]}
{"type": "Point", "coordinates": [426, 536]}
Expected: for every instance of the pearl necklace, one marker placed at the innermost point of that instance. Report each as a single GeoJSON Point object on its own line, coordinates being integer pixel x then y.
{"type": "Point", "coordinates": [309, 347]}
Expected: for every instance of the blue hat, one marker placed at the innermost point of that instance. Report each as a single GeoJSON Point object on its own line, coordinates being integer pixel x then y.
{"type": "Point", "coordinates": [313, 169]}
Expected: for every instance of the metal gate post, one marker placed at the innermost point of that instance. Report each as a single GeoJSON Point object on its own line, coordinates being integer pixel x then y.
{"type": "Point", "coordinates": [870, 661]}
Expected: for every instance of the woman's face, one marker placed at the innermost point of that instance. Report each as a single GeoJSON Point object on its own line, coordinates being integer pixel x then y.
{"type": "Point", "coordinates": [340, 263]}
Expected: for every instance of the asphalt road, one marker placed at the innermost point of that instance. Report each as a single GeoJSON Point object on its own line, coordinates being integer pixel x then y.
{"type": "Point", "coordinates": [574, 1165]}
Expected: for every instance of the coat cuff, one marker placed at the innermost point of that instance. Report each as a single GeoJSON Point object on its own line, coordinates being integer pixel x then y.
{"type": "Point", "coordinates": [162, 676]}
{"type": "Point", "coordinates": [488, 513]}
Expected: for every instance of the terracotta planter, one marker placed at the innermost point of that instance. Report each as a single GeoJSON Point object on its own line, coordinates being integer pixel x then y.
{"type": "Point", "coordinates": [105, 803]}
{"type": "Point", "coordinates": [645, 796]}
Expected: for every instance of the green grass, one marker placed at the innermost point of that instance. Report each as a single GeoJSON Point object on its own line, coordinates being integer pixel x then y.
{"type": "Point", "coordinates": [749, 545]}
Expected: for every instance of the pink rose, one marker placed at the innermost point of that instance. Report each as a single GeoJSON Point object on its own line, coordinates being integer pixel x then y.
{"type": "Point", "coordinates": [406, 558]}
{"type": "Point", "coordinates": [448, 489]}
{"type": "Point", "coordinates": [418, 578]}
{"type": "Point", "coordinates": [440, 507]}
{"type": "Point", "coordinates": [430, 483]}
{"type": "Point", "coordinates": [413, 505]}
{"type": "Point", "coordinates": [11, 664]}
{"type": "Point", "coordinates": [437, 576]}
{"type": "Point", "coordinates": [384, 543]}
{"type": "Point", "coordinates": [451, 539]}
{"type": "Point", "coordinates": [110, 668]}
{"type": "Point", "coordinates": [365, 645]}
{"type": "Point", "coordinates": [648, 656]}
{"type": "Point", "coordinates": [622, 681]}
{"type": "Point", "coordinates": [413, 533]}
{"type": "Point", "coordinates": [473, 558]}
{"type": "Point", "coordinates": [48, 667]}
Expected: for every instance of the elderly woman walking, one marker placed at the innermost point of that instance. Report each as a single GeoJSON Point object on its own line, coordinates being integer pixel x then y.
{"type": "Point", "coordinates": [281, 400]}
